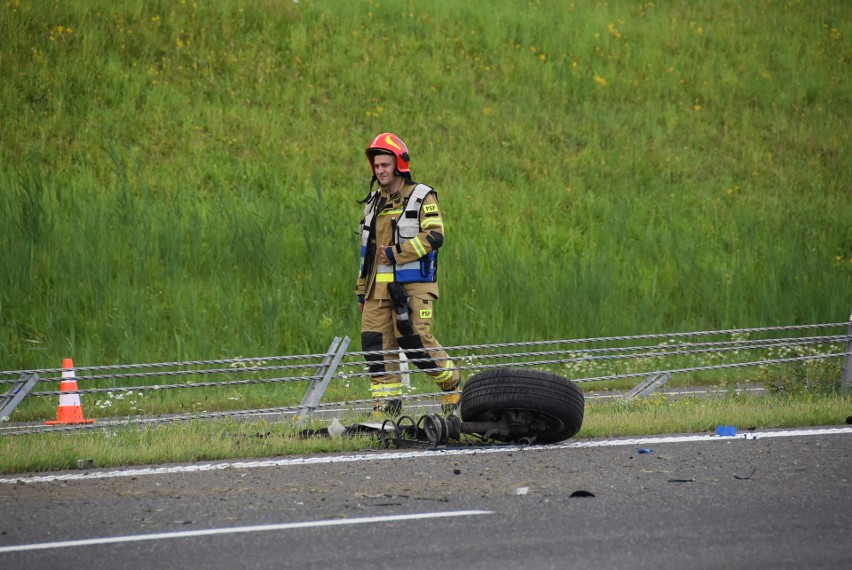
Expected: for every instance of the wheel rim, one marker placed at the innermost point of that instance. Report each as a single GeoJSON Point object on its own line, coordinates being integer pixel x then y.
{"type": "Point", "coordinates": [536, 422]}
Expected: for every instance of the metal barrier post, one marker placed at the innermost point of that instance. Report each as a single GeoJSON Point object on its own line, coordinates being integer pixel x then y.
{"type": "Point", "coordinates": [17, 393]}
{"type": "Point", "coordinates": [327, 368]}
{"type": "Point", "coordinates": [846, 380]}
{"type": "Point", "coordinates": [403, 368]}
{"type": "Point", "coordinates": [648, 385]}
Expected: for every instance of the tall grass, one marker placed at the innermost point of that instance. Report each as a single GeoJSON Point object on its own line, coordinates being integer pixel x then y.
{"type": "Point", "coordinates": [179, 180]}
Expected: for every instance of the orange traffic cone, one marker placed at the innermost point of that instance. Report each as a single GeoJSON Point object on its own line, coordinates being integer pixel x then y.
{"type": "Point", "coordinates": [70, 411]}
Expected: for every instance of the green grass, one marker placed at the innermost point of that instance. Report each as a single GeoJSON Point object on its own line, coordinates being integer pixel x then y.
{"type": "Point", "coordinates": [178, 180]}
{"type": "Point", "coordinates": [164, 443]}
{"type": "Point", "coordinates": [228, 439]}
{"type": "Point", "coordinates": [657, 414]}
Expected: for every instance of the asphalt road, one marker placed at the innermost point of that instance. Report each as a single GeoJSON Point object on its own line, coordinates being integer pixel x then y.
{"type": "Point", "coordinates": [769, 501]}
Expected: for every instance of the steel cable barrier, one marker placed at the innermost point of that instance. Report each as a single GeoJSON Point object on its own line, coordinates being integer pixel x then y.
{"type": "Point", "coordinates": [598, 360]}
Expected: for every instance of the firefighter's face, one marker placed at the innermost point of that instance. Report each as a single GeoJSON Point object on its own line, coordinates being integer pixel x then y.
{"type": "Point", "coordinates": [385, 165]}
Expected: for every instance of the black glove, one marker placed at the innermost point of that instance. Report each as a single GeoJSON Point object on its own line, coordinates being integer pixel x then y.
{"type": "Point", "coordinates": [399, 301]}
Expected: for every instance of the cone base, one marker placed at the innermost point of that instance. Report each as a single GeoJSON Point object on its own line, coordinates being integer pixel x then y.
{"type": "Point", "coordinates": [69, 415]}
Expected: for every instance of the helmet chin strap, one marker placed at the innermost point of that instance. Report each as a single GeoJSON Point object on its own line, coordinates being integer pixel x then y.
{"type": "Point", "coordinates": [369, 191]}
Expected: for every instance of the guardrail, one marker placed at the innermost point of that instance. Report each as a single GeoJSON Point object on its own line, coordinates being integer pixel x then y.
{"type": "Point", "coordinates": [652, 357]}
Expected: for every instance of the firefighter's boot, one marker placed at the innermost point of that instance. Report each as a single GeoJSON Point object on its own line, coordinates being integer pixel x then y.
{"type": "Point", "coordinates": [450, 403]}
{"type": "Point", "coordinates": [387, 408]}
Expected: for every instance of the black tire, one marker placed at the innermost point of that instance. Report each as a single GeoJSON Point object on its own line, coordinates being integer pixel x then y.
{"type": "Point", "coordinates": [488, 395]}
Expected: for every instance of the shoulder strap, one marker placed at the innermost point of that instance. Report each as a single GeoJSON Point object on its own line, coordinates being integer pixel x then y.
{"type": "Point", "coordinates": [415, 199]}
{"type": "Point", "coordinates": [421, 191]}
{"type": "Point", "coordinates": [370, 202]}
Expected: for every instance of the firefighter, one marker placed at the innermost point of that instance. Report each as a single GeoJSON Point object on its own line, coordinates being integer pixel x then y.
{"type": "Point", "coordinates": [401, 233]}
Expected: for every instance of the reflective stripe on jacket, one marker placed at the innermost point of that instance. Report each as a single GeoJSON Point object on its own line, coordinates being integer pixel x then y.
{"type": "Point", "coordinates": [404, 224]}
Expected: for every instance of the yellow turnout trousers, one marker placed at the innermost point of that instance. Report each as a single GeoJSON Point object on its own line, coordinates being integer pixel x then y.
{"type": "Point", "coordinates": [379, 332]}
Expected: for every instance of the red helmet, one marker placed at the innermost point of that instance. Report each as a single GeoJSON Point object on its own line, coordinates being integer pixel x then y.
{"type": "Point", "coordinates": [389, 143]}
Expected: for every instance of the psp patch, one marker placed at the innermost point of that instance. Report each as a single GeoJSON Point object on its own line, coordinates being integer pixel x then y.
{"type": "Point", "coordinates": [430, 208]}
{"type": "Point", "coordinates": [425, 313]}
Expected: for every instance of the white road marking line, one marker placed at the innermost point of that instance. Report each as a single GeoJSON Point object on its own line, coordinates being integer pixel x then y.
{"type": "Point", "coordinates": [325, 460]}
{"type": "Point", "coordinates": [701, 438]}
{"type": "Point", "coordinates": [234, 530]}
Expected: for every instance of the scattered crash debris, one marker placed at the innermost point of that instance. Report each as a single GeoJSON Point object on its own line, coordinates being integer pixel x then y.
{"type": "Point", "coordinates": [506, 405]}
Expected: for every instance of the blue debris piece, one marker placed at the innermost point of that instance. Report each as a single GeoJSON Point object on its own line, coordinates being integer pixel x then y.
{"type": "Point", "coordinates": [644, 450]}
{"type": "Point", "coordinates": [726, 431]}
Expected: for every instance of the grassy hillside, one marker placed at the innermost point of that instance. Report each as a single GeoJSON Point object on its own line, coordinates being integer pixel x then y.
{"type": "Point", "coordinates": [179, 180]}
